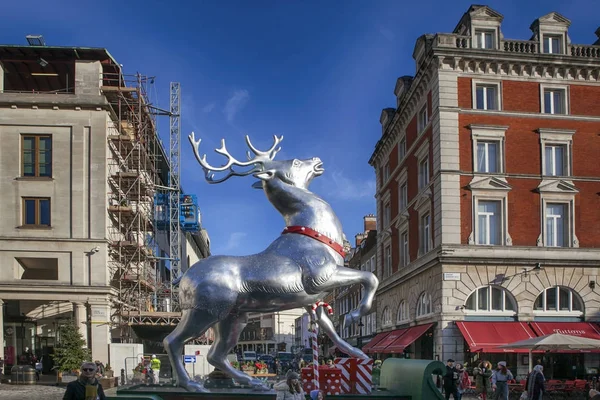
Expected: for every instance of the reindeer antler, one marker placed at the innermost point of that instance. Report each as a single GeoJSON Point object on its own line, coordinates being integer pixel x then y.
{"type": "Point", "coordinates": [257, 162]}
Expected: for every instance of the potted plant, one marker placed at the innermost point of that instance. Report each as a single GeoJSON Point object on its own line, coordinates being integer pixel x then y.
{"type": "Point", "coordinates": [235, 364]}
{"type": "Point", "coordinates": [260, 368]}
{"type": "Point", "coordinates": [70, 351]}
{"type": "Point", "coordinates": [247, 367]}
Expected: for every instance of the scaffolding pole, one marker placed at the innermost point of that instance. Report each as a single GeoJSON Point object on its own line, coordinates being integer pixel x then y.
{"type": "Point", "coordinates": [175, 190]}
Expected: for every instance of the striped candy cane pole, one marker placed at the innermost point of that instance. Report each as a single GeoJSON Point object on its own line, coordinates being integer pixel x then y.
{"type": "Point", "coordinates": [315, 348]}
{"type": "Point", "coordinates": [315, 345]}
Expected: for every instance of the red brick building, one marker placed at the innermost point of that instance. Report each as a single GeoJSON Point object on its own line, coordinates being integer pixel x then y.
{"type": "Point", "coordinates": [488, 194]}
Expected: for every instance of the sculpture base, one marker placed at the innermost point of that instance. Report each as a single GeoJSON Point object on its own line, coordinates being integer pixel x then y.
{"type": "Point", "coordinates": [156, 392]}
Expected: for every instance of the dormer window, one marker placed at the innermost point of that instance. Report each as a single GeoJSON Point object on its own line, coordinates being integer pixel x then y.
{"type": "Point", "coordinates": [484, 39]}
{"type": "Point", "coordinates": [552, 44]}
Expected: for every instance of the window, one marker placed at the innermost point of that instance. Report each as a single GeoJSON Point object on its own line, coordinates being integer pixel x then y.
{"type": "Point", "coordinates": [557, 224]}
{"type": "Point", "coordinates": [489, 222]}
{"type": "Point", "coordinates": [487, 97]}
{"type": "Point", "coordinates": [386, 316]}
{"type": "Point", "coordinates": [552, 44]}
{"type": "Point", "coordinates": [403, 196]}
{"type": "Point", "coordinates": [386, 172]}
{"type": "Point", "coordinates": [555, 101]}
{"type": "Point", "coordinates": [401, 149]}
{"type": "Point", "coordinates": [488, 148]}
{"type": "Point", "coordinates": [488, 157]}
{"type": "Point", "coordinates": [555, 155]}
{"type": "Point", "coordinates": [425, 233]}
{"type": "Point", "coordinates": [36, 211]}
{"type": "Point", "coordinates": [422, 118]}
{"type": "Point", "coordinates": [36, 155]}
{"type": "Point", "coordinates": [484, 39]}
{"type": "Point", "coordinates": [404, 255]}
{"type": "Point", "coordinates": [424, 305]}
{"type": "Point", "coordinates": [387, 261]}
{"type": "Point", "coordinates": [558, 299]}
{"type": "Point", "coordinates": [373, 265]}
{"type": "Point", "coordinates": [491, 299]}
{"type": "Point", "coordinates": [423, 173]}
{"type": "Point", "coordinates": [402, 312]}
{"type": "Point", "coordinates": [387, 214]}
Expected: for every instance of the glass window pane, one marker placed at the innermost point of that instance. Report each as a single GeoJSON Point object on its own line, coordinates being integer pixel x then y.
{"type": "Point", "coordinates": [576, 303]}
{"type": "Point", "coordinates": [481, 159]}
{"type": "Point", "coordinates": [45, 144]}
{"type": "Point", "coordinates": [559, 153]}
{"type": "Point", "coordinates": [44, 212]}
{"type": "Point", "coordinates": [479, 98]}
{"type": "Point", "coordinates": [539, 303]}
{"type": "Point", "coordinates": [546, 45]}
{"type": "Point", "coordinates": [558, 102]}
{"type": "Point", "coordinates": [549, 150]}
{"type": "Point", "coordinates": [551, 299]}
{"type": "Point", "coordinates": [491, 98]}
{"type": "Point", "coordinates": [29, 212]}
{"type": "Point", "coordinates": [555, 45]}
{"type": "Point", "coordinates": [492, 154]}
{"type": "Point", "coordinates": [483, 229]}
{"type": "Point", "coordinates": [470, 304]}
{"type": "Point", "coordinates": [508, 304]}
{"type": "Point", "coordinates": [489, 40]}
{"type": "Point", "coordinates": [28, 143]}
{"type": "Point", "coordinates": [496, 299]}
{"type": "Point", "coordinates": [563, 299]}
{"type": "Point", "coordinates": [547, 102]}
{"type": "Point", "coordinates": [482, 297]}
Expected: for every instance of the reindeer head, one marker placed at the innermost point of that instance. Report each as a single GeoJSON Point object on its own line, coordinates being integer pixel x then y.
{"type": "Point", "coordinates": [261, 165]}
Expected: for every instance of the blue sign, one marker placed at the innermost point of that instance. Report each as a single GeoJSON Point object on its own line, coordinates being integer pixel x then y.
{"type": "Point", "coordinates": [189, 359]}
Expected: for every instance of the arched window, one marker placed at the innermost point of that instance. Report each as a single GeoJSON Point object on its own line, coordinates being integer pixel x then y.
{"type": "Point", "coordinates": [403, 312]}
{"type": "Point", "coordinates": [386, 316]}
{"type": "Point", "coordinates": [491, 299]}
{"type": "Point", "coordinates": [424, 305]}
{"type": "Point", "coordinates": [559, 299]}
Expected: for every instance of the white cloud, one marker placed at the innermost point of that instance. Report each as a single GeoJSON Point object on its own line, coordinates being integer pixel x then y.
{"type": "Point", "coordinates": [235, 240]}
{"type": "Point", "coordinates": [208, 108]}
{"type": "Point", "coordinates": [236, 103]}
{"type": "Point", "coordinates": [340, 186]}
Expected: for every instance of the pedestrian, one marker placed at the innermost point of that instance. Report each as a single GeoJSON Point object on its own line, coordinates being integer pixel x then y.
{"type": "Point", "coordinates": [86, 387]}
{"type": "Point", "coordinates": [451, 380]}
{"type": "Point", "coordinates": [317, 395]}
{"type": "Point", "coordinates": [290, 389]}
{"type": "Point", "coordinates": [535, 383]}
{"type": "Point", "coordinates": [464, 382]}
{"type": "Point", "coordinates": [594, 394]}
{"type": "Point", "coordinates": [155, 366]}
{"type": "Point", "coordinates": [500, 378]}
{"type": "Point", "coordinates": [482, 374]}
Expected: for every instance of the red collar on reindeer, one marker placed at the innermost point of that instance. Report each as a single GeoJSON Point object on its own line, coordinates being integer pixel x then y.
{"type": "Point", "coordinates": [304, 230]}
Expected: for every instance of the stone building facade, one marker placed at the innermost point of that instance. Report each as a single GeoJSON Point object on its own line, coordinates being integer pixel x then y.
{"type": "Point", "coordinates": [487, 198]}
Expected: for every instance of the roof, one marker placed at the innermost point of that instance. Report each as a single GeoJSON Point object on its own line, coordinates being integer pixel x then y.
{"type": "Point", "coordinates": [21, 52]}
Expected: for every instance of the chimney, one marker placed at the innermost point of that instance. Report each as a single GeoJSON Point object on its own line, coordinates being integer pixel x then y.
{"type": "Point", "coordinates": [370, 222]}
{"type": "Point", "coordinates": [358, 238]}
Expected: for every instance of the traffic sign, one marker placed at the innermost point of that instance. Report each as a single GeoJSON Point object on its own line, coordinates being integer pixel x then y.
{"type": "Point", "coordinates": [189, 359]}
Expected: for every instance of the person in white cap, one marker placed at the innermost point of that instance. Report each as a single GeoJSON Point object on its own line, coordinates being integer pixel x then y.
{"type": "Point", "coordinates": [500, 379]}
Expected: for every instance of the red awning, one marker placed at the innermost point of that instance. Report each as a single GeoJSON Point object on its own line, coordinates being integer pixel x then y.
{"type": "Point", "coordinates": [583, 329]}
{"type": "Point", "coordinates": [486, 336]}
{"type": "Point", "coordinates": [389, 339]}
{"type": "Point", "coordinates": [380, 336]}
{"type": "Point", "coordinates": [407, 338]}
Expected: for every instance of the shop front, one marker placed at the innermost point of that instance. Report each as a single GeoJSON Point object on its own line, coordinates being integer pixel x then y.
{"type": "Point", "coordinates": [413, 342]}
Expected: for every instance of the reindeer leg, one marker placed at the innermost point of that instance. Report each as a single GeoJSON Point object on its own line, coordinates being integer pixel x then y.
{"type": "Point", "coordinates": [227, 333]}
{"type": "Point", "coordinates": [326, 326]}
{"type": "Point", "coordinates": [346, 277]}
{"type": "Point", "coordinates": [193, 323]}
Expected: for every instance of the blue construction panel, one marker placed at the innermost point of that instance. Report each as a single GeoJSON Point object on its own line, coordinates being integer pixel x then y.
{"type": "Point", "coordinates": [188, 213]}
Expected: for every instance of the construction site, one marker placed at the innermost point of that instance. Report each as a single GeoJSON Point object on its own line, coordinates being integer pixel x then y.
{"type": "Point", "coordinates": [96, 221]}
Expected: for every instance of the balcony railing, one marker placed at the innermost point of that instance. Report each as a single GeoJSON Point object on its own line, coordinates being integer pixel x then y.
{"type": "Point", "coordinates": [452, 40]}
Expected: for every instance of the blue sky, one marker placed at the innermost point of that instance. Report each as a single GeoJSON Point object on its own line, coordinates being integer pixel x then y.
{"type": "Point", "coordinates": [317, 72]}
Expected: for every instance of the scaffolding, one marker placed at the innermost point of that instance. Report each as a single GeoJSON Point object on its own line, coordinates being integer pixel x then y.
{"type": "Point", "coordinates": [133, 174]}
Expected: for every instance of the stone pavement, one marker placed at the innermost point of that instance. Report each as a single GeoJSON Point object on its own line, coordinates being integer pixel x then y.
{"type": "Point", "coordinates": [30, 392]}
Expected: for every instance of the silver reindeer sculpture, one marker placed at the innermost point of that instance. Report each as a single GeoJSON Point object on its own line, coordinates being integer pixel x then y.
{"type": "Point", "coordinates": [299, 268]}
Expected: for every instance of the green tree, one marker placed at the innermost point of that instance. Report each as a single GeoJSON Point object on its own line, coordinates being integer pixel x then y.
{"type": "Point", "coordinates": [70, 351]}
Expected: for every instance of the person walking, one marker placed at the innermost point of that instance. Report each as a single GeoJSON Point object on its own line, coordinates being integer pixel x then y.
{"type": "Point", "coordinates": [86, 387]}
{"type": "Point", "coordinates": [451, 380]}
{"type": "Point", "coordinates": [155, 366]}
{"type": "Point", "coordinates": [500, 378]}
{"type": "Point", "coordinates": [290, 389]}
{"type": "Point", "coordinates": [482, 374]}
{"type": "Point", "coordinates": [464, 382]}
{"type": "Point", "coordinates": [535, 385]}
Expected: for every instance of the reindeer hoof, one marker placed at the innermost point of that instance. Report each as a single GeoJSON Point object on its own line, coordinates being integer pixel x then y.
{"type": "Point", "coordinates": [194, 387]}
